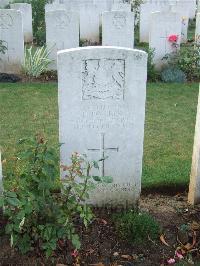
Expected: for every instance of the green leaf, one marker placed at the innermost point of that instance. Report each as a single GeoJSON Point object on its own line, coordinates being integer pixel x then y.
{"type": "Point", "coordinates": [13, 201]}
{"type": "Point", "coordinates": [103, 159]}
{"type": "Point", "coordinates": [107, 179]}
{"type": "Point", "coordinates": [11, 194]}
{"type": "Point", "coordinates": [95, 165]}
{"type": "Point", "coordinates": [76, 241]}
{"type": "Point", "coordinates": [1, 202]}
{"type": "Point", "coordinates": [97, 178]}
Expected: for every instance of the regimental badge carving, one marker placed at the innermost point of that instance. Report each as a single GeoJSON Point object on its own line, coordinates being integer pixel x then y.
{"type": "Point", "coordinates": [103, 79]}
{"type": "Point", "coordinates": [119, 21]}
{"type": "Point", "coordinates": [6, 21]}
{"type": "Point", "coordinates": [62, 21]}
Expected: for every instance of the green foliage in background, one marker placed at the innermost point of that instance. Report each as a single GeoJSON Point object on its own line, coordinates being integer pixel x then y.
{"type": "Point", "coordinates": [173, 74]}
{"type": "Point", "coordinates": [36, 61]}
{"type": "Point", "coordinates": [152, 73]}
{"type": "Point", "coordinates": [40, 208]}
{"type": "Point", "coordinates": [38, 9]}
{"type": "Point", "coordinates": [186, 59]}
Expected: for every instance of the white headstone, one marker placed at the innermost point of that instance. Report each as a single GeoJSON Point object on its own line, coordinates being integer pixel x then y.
{"type": "Point", "coordinates": [183, 8]}
{"type": "Point", "coordinates": [198, 6]}
{"type": "Point", "coordinates": [164, 25]}
{"type": "Point", "coordinates": [184, 29]}
{"type": "Point", "coordinates": [193, 6]}
{"type": "Point", "coordinates": [121, 7]}
{"type": "Point", "coordinates": [54, 7]}
{"type": "Point", "coordinates": [26, 10]}
{"type": "Point", "coordinates": [4, 3]}
{"type": "Point", "coordinates": [101, 113]}
{"type": "Point", "coordinates": [194, 188]}
{"type": "Point", "coordinates": [197, 31]}
{"type": "Point", "coordinates": [11, 33]}
{"type": "Point", "coordinates": [62, 32]}
{"type": "Point", "coordinates": [118, 29]}
{"type": "Point", "coordinates": [90, 15]}
{"type": "Point", "coordinates": [89, 21]}
{"type": "Point", "coordinates": [146, 9]}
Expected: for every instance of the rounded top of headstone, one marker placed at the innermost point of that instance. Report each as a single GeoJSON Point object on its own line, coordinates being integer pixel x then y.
{"type": "Point", "coordinates": [101, 49]}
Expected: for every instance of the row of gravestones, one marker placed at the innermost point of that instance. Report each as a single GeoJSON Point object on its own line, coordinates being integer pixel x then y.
{"type": "Point", "coordinates": [89, 13]}
{"type": "Point", "coordinates": [62, 31]}
{"type": "Point", "coordinates": [186, 8]}
{"type": "Point", "coordinates": [102, 113]}
{"type": "Point", "coordinates": [118, 30]}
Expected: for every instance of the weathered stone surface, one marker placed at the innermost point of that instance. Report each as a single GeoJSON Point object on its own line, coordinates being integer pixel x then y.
{"type": "Point", "coordinates": [164, 25]}
{"type": "Point", "coordinates": [101, 113]}
{"type": "Point", "coordinates": [197, 31]}
{"type": "Point", "coordinates": [11, 33]}
{"type": "Point", "coordinates": [26, 10]}
{"type": "Point", "coordinates": [118, 29]}
{"type": "Point", "coordinates": [62, 32]}
{"type": "Point", "coordinates": [121, 7]}
{"type": "Point", "coordinates": [194, 188]}
{"type": "Point", "coordinates": [146, 9]}
{"type": "Point", "coordinates": [4, 3]}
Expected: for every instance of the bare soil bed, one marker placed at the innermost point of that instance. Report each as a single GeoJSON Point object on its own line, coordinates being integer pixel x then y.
{"type": "Point", "coordinates": [102, 246]}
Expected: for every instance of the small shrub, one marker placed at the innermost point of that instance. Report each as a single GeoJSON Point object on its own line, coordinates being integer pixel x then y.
{"type": "Point", "coordinates": [36, 61]}
{"type": "Point", "coordinates": [172, 74]}
{"type": "Point", "coordinates": [186, 59]}
{"type": "Point", "coordinates": [152, 73]}
{"type": "Point", "coordinates": [40, 208]}
{"type": "Point", "coordinates": [136, 227]}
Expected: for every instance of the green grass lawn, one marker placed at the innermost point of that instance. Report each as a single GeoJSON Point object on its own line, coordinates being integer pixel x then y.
{"type": "Point", "coordinates": [27, 109]}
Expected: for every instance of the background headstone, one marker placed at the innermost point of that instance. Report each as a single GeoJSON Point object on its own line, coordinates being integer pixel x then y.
{"type": "Point", "coordinates": [197, 31]}
{"type": "Point", "coordinates": [163, 25]}
{"type": "Point", "coordinates": [26, 10]}
{"type": "Point", "coordinates": [146, 9]}
{"type": "Point", "coordinates": [99, 96]}
{"type": "Point", "coordinates": [118, 29]}
{"type": "Point", "coordinates": [183, 8]}
{"type": "Point", "coordinates": [89, 21]}
{"type": "Point", "coordinates": [194, 188]}
{"type": "Point", "coordinates": [11, 33]}
{"type": "Point", "coordinates": [184, 29]}
{"type": "Point", "coordinates": [193, 6]}
{"type": "Point", "coordinates": [121, 7]}
{"type": "Point", "coordinates": [198, 6]}
{"type": "Point", "coordinates": [54, 7]}
{"type": "Point", "coordinates": [62, 32]}
{"type": "Point", "coordinates": [4, 3]}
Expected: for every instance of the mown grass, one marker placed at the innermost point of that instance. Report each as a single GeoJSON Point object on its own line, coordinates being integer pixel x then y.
{"type": "Point", "coordinates": [27, 109]}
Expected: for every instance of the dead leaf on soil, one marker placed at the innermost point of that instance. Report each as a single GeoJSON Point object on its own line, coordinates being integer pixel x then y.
{"type": "Point", "coordinates": [102, 221]}
{"type": "Point", "coordinates": [195, 226]}
{"type": "Point", "coordinates": [97, 264]}
{"type": "Point", "coordinates": [162, 239]}
{"type": "Point", "coordinates": [128, 257]}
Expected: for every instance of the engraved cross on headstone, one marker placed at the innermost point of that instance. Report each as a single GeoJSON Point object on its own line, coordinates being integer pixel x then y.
{"type": "Point", "coordinates": [102, 152]}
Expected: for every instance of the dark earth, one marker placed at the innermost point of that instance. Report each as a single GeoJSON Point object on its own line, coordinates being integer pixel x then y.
{"type": "Point", "coordinates": [101, 246]}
